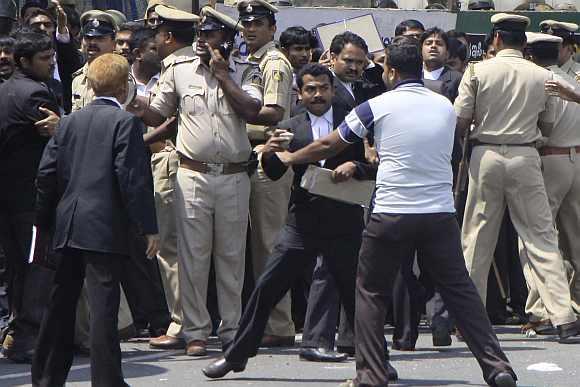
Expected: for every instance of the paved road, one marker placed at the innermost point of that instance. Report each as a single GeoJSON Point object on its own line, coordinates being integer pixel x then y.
{"type": "Point", "coordinates": [452, 366]}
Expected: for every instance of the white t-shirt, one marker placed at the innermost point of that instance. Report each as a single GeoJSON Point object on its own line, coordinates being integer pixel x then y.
{"type": "Point", "coordinates": [413, 129]}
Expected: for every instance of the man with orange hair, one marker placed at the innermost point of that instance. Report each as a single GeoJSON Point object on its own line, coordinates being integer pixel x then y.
{"type": "Point", "coordinates": [90, 199]}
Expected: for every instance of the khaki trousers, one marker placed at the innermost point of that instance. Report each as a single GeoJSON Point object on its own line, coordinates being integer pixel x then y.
{"type": "Point", "coordinates": [268, 211]}
{"type": "Point", "coordinates": [562, 180]}
{"type": "Point", "coordinates": [83, 319]}
{"type": "Point", "coordinates": [212, 221]}
{"type": "Point", "coordinates": [164, 166]}
{"type": "Point", "coordinates": [511, 175]}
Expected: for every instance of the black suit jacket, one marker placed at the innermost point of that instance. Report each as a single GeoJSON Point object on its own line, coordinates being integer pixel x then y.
{"type": "Point", "coordinates": [369, 86]}
{"type": "Point", "coordinates": [21, 146]}
{"type": "Point", "coordinates": [69, 60]}
{"type": "Point", "coordinates": [94, 180]}
{"type": "Point", "coordinates": [451, 80]}
{"type": "Point", "coordinates": [311, 213]}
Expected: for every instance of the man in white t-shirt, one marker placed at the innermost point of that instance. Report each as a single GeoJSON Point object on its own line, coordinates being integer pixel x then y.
{"type": "Point", "coordinates": [413, 211]}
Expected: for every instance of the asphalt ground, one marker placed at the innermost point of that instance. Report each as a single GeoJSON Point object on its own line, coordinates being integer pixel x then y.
{"type": "Point", "coordinates": [556, 365]}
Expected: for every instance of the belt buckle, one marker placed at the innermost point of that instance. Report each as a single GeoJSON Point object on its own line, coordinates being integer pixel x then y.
{"type": "Point", "coordinates": [215, 169]}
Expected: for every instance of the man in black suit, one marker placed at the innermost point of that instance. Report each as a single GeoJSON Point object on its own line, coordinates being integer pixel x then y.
{"type": "Point", "coordinates": [24, 99]}
{"type": "Point", "coordinates": [94, 182]}
{"type": "Point", "coordinates": [315, 225]}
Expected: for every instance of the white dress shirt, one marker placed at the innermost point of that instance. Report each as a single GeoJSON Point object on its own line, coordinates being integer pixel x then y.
{"type": "Point", "coordinates": [433, 75]}
{"type": "Point", "coordinates": [321, 125]}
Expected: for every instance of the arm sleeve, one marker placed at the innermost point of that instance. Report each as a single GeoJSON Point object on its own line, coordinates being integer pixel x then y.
{"type": "Point", "coordinates": [133, 171]}
{"type": "Point", "coordinates": [277, 81]}
{"type": "Point", "coordinates": [46, 185]}
{"type": "Point", "coordinates": [548, 116]}
{"type": "Point", "coordinates": [40, 98]}
{"type": "Point", "coordinates": [252, 84]}
{"type": "Point", "coordinates": [166, 98]}
{"type": "Point", "coordinates": [357, 124]}
{"type": "Point", "coordinates": [465, 102]}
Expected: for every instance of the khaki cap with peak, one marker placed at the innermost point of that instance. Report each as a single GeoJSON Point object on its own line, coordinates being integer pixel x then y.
{"type": "Point", "coordinates": [255, 9]}
{"type": "Point", "coordinates": [119, 16]}
{"type": "Point", "coordinates": [98, 23]}
{"type": "Point", "coordinates": [538, 37]}
{"type": "Point", "coordinates": [510, 22]}
{"type": "Point", "coordinates": [172, 14]}
{"type": "Point", "coordinates": [212, 20]}
{"type": "Point", "coordinates": [151, 6]}
{"type": "Point", "coordinates": [558, 25]}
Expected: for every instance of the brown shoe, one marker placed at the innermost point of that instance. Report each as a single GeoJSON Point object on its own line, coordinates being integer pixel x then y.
{"type": "Point", "coordinates": [196, 348]}
{"type": "Point", "coordinates": [271, 341]}
{"type": "Point", "coordinates": [167, 342]}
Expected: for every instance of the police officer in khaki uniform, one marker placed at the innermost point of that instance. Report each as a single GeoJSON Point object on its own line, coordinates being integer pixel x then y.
{"type": "Point", "coordinates": [164, 164]}
{"type": "Point", "coordinates": [504, 97]}
{"type": "Point", "coordinates": [213, 97]}
{"type": "Point", "coordinates": [98, 32]}
{"type": "Point", "coordinates": [269, 199]}
{"type": "Point", "coordinates": [566, 32]}
{"type": "Point", "coordinates": [561, 170]}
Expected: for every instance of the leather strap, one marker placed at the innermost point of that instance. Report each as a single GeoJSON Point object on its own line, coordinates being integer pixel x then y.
{"type": "Point", "coordinates": [552, 150]}
{"type": "Point", "coordinates": [212, 168]}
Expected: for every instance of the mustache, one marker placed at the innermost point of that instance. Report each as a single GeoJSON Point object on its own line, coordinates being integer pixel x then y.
{"type": "Point", "coordinates": [318, 100]}
{"type": "Point", "coordinates": [5, 62]}
{"type": "Point", "coordinates": [93, 48]}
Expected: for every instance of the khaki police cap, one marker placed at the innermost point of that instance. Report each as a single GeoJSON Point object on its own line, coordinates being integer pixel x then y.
{"type": "Point", "coordinates": [538, 37]}
{"type": "Point", "coordinates": [255, 9]}
{"type": "Point", "coordinates": [510, 22]}
{"type": "Point", "coordinates": [172, 14]}
{"type": "Point", "coordinates": [214, 20]}
{"type": "Point", "coordinates": [566, 7]}
{"type": "Point", "coordinates": [119, 17]}
{"type": "Point", "coordinates": [558, 25]}
{"type": "Point", "coordinates": [151, 6]}
{"type": "Point", "coordinates": [98, 23]}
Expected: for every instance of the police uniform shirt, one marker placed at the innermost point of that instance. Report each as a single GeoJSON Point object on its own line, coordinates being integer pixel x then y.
{"type": "Point", "coordinates": [276, 77]}
{"type": "Point", "coordinates": [209, 129]}
{"type": "Point", "coordinates": [82, 94]}
{"type": "Point", "coordinates": [505, 97]}
{"type": "Point", "coordinates": [566, 130]}
{"type": "Point", "coordinates": [572, 68]}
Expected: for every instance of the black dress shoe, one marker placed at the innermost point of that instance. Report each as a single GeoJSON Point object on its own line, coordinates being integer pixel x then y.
{"type": "Point", "coordinates": [569, 333]}
{"type": "Point", "coordinates": [402, 346]}
{"type": "Point", "coordinates": [504, 379]}
{"type": "Point", "coordinates": [391, 371]}
{"type": "Point", "coordinates": [345, 349]}
{"type": "Point", "coordinates": [441, 337]}
{"type": "Point", "coordinates": [221, 367]}
{"type": "Point", "coordinates": [322, 355]}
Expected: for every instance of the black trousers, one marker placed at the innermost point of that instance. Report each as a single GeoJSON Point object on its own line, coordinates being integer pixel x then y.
{"type": "Point", "coordinates": [26, 284]}
{"type": "Point", "coordinates": [293, 253]}
{"type": "Point", "coordinates": [55, 346]}
{"type": "Point", "coordinates": [141, 282]}
{"type": "Point", "coordinates": [390, 241]}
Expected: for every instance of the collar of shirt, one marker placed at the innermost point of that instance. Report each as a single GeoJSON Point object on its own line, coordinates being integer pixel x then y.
{"type": "Point", "coordinates": [142, 88]}
{"type": "Point", "coordinates": [568, 65]}
{"type": "Point", "coordinates": [257, 56]}
{"type": "Point", "coordinates": [347, 85]}
{"type": "Point", "coordinates": [184, 51]}
{"type": "Point", "coordinates": [326, 118]}
{"type": "Point", "coordinates": [409, 83]}
{"type": "Point", "coordinates": [433, 75]}
{"type": "Point", "coordinates": [510, 52]}
{"type": "Point", "coordinates": [112, 99]}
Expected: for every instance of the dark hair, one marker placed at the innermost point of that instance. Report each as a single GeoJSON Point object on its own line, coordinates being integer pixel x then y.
{"type": "Point", "coordinates": [457, 49]}
{"type": "Point", "coordinates": [7, 43]}
{"type": "Point", "coordinates": [315, 70]}
{"type": "Point", "coordinates": [410, 24]}
{"type": "Point", "coordinates": [456, 34]}
{"type": "Point", "coordinates": [404, 55]}
{"type": "Point", "coordinates": [437, 32]}
{"type": "Point", "coordinates": [544, 52]}
{"type": "Point", "coordinates": [38, 12]}
{"type": "Point", "coordinates": [140, 37]}
{"type": "Point", "coordinates": [30, 43]}
{"type": "Point", "coordinates": [512, 38]}
{"type": "Point", "coordinates": [181, 34]}
{"type": "Point", "coordinates": [130, 26]}
{"type": "Point", "coordinates": [72, 16]}
{"type": "Point", "coordinates": [316, 54]}
{"type": "Point", "coordinates": [297, 35]}
{"type": "Point", "coordinates": [488, 41]}
{"type": "Point", "coordinates": [341, 40]}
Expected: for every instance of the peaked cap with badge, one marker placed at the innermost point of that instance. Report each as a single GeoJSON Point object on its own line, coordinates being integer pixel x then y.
{"type": "Point", "coordinates": [558, 28]}
{"type": "Point", "coordinates": [175, 18]}
{"type": "Point", "coordinates": [510, 22]}
{"type": "Point", "coordinates": [212, 20]}
{"type": "Point", "coordinates": [250, 10]}
{"type": "Point", "coordinates": [534, 38]}
{"type": "Point", "coordinates": [98, 23]}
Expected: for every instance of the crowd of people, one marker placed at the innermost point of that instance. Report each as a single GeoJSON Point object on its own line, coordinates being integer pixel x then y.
{"type": "Point", "coordinates": [155, 188]}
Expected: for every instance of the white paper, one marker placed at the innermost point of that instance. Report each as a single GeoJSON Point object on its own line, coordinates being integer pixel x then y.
{"type": "Point", "coordinates": [32, 245]}
{"type": "Point", "coordinates": [318, 181]}
{"type": "Point", "coordinates": [544, 367]}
